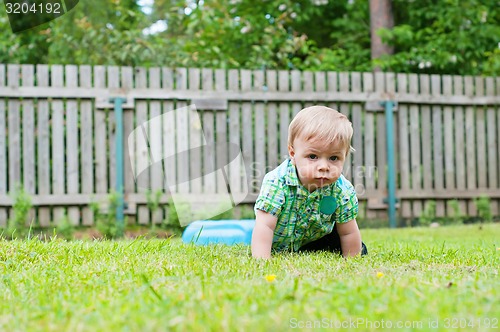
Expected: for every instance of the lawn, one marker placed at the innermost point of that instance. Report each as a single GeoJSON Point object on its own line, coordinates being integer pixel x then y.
{"type": "Point", "coordinates": [418, 279]}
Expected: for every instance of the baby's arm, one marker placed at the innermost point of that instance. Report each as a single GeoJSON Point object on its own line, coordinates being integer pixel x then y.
{"type": "Point", "coordinates": [262, 236]}
{"type": "Point", "coordinates": [350, 238]}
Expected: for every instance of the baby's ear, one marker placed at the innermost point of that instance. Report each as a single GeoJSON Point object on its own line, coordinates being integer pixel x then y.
{"type": "Point", "coordinates": [291, 153]}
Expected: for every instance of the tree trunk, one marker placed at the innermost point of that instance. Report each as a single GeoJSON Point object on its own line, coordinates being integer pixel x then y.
{"type": "Point", "coordinates": [380, 17]}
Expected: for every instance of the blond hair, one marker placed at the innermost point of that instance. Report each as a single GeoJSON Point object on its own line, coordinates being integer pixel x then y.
{"type": "Point", "coordinates": [324, 123]}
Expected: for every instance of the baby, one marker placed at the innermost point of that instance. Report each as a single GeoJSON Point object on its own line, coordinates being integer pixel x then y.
{"type": "Point", "coordinates": [306, 204]}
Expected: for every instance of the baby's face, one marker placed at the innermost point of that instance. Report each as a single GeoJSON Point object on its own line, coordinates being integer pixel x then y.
{"type": "Point", "coordinates": [318, 163]}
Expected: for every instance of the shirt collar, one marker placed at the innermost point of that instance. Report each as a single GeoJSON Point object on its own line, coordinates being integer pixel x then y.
{"type": "Point", "coordinates": [291, 178]}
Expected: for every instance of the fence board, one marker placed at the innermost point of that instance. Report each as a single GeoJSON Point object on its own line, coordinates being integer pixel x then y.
{"type": "Point", "coordinates": [181, 83]}
{"type": "Point", "coordinates": [127, 82]}
{"type": "Point", "coordinates": [155, 142]}
{"type": "Point", "coordinates": [112, 82]}
{"type": "Point", "coordinates": [260, 131]}
{"type": "Point", "coordinates": [339, 83]}
{"type": "Point", "coordinates": [480, 136]}
{"type": "Point", "coordinates": [14, 129]}
{"type": "Point", "coordinates": [491, 128]}
{"type": "Point", "coordinates": [72, 169]}
{"type": "Point", "coordinates": [209, 162]}
{"type": "Point", "coordinates": [3, 150]}
{"type": "Point", "coordinates": [449, 164]}
{"type": "Point", "coordinates": [381, 145]}
{"type": "Point", "coordinates": [142, 116]}
{"type": "Point", "coordinates": [437, 140]}
{"type": "Point", "coordinates": [101, 168]}
{"type": "Point", "coordinates": [426, 135]}
{"type": "Point", "coordinates": [369, 143]}
{"type": "Point", "coordinates": [221, 134]}
{"type": "Point", "coordinates": [459, 142]}
{"type": "Point", "coordinates": [308, 86]}
{"type": "Point", "coordinates": [357, 139]}
{"type": "Point", "coordinates": [43, 145]}
{"type": "Point", "coordinates": [320, 81]}
{"type": "Point", "coordinates": [284, 116]}
{"type": "Point", "coordinates": [296, 83]}
{"type": "Point", "coordinates": [272, 121]}
{"type": "Point", "coordinates": [247, 130]}
{"type": "Point", "coordinates": [58, 150]}
{"type": "Point", "coordinates": [415, 146]}
{"type": "Point", "coordinates": [331, 81]}
{"type": "Point", "coordinates": [168, 84]}
{"type": "Point", "coordinates": [390, 87]}
{"type": "Point", "coordinates": [195, 136]}
{"type": "Point", "coordinates": [404, 147]}
{"type": "Point", "coordinates": [168, 127]}
{"type": "Point", "coordinates": [497, 92]}
{"type": "Point", "coordinates": [86, 144]}
{"type": "Point", "coordinates": [470, 146]}
{"type": "Point", "coordinates": [28, 149]}
{"type": "Point", "coordinates": [234, 131]}
{"type": "Point", "coordinates": [344, 108]}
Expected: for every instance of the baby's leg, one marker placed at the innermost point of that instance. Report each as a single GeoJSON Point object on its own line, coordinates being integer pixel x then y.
{"type": "Point", "coordinates": [330, 242]}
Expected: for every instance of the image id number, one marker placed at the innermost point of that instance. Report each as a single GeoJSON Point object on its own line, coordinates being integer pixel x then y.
{"type": "Point", "coordinates": [26, 8]}
{"type": "Point", "coordinates": [462, 323]}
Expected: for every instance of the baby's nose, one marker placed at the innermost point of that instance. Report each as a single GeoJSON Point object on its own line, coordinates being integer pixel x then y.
{"type": "Point", "coordinates": [323, 165]}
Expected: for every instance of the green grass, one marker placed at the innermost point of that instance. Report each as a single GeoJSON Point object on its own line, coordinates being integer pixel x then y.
{"type": "Point", "coordinates": [417, 277]}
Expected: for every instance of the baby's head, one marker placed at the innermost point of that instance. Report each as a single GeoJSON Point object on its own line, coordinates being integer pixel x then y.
{"type": "Point", "coordinates": [322, 123]}
{"type": "Point", "coordinates": [319, 140]}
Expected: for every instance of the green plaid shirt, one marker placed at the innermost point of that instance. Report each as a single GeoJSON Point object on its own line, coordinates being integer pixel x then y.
{"type": "Point", "coordinates": [300, 217]}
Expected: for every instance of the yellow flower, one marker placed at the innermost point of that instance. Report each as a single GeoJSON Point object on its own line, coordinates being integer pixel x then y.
{"type": "Point", "coordinates": [498, 249]}
{"type": "Point", "coordinates": [270, 277]}
{"type": "Point", "coordinates": [380, 274]}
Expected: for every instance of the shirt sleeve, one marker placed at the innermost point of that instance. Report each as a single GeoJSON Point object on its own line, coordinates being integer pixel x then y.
{"type": "Point", "coordinates": [348, 205]}
{"type": "Point", "coordinates": [272, 197]}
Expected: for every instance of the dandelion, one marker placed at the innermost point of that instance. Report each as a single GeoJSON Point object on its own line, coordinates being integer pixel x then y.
{"type": "Point", "coordinates": [498, 249]}
{"type": "Point", "coordinates": [270, 277]}
{"type": "Point", "coordinates": [380, 274]}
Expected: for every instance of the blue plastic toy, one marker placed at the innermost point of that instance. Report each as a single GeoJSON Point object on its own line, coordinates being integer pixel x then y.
{"type": "Point", "coordinates": [219, 231]}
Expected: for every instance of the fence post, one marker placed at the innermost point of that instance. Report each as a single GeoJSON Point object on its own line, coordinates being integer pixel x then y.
{"type": "Point", "coordinates": [391, 168]}
{"type": "Point", "coordinates": [118, 102]}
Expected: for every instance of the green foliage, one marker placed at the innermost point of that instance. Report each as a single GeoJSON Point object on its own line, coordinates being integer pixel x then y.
{"type": "Point", "coordinates": [105, 220]}
{"type": "Point", "coordinates": [17, 223]}
{"type": "Point", "coordinates": [172, 223]}
{"type": "Point", "coordinates": [246, 211]}
{"type": "Point", "coordinates": [454, 212]}
{"type": "Point", "coordinates": [153, 202]}
{"type": "Point", "coordinates": [111, 35]}
{"type": "Point", "coordinates": [483, 206]}
{"type": "Point", "coordinates": [447, 37]}
{"type": "Point", "coordinates": [429, 214]}
{"type": "Point", "coordinates": [228, 214]}
{"type": "Point", "coordinates": [153, 199]}
{"type": "Point", "coordinates": [65, 228]}
{"type": "Point", "coordinates": [443, 37]}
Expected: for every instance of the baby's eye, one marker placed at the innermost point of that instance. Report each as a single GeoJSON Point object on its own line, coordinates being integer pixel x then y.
{"type": "Point", "coordinates": [334, 158]}
{"type": "Point", "coordinates": [312, 156]}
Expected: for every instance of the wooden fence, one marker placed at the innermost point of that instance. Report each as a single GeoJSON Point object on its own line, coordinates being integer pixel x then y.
{"type": "Point", "coordinates": [57, 132]}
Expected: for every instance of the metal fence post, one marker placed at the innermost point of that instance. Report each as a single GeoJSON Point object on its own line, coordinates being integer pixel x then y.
{"type": "Point", "coordinates": [118, 103]}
